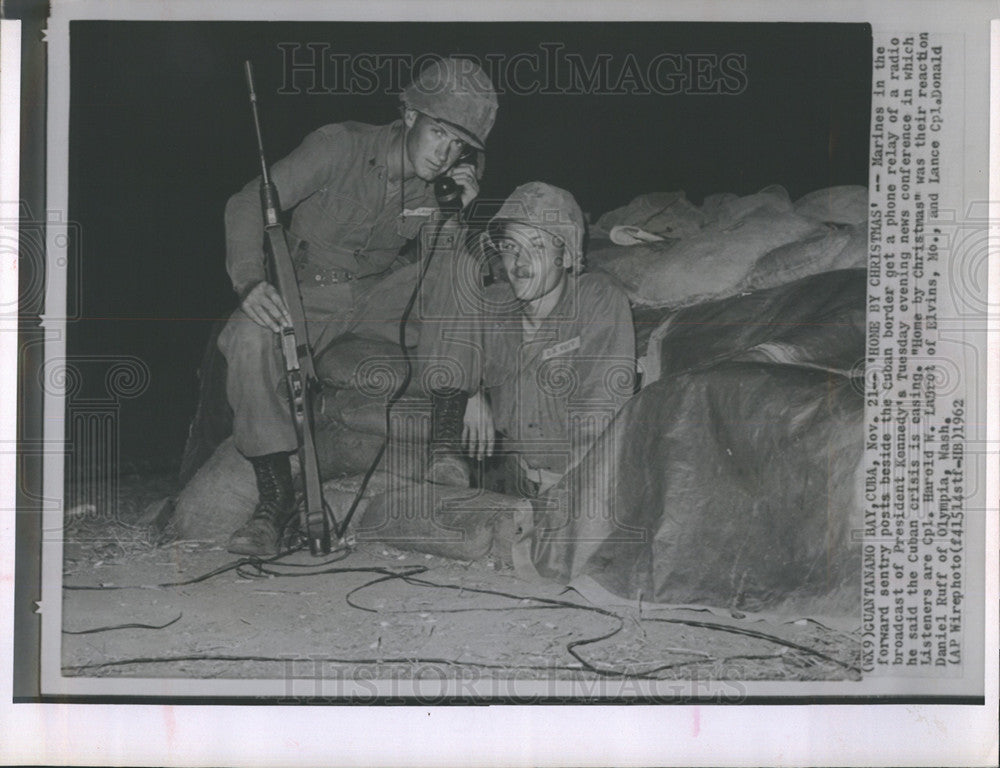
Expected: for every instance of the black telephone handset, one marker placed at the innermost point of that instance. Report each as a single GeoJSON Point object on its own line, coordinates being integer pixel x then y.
{"type": "Point", "coordinates": [447, 191]}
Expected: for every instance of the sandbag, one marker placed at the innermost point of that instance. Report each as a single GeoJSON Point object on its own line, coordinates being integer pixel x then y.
{"type": "Point", "coordinates": [668, 214]}
{"type": "Point", "coordinates": [460, 523]}
{"type": "Point", "coordinates": [727, 209]}
{"type": "Point", "coordinates": [376, 366]}
{"type": "Point", "coordinates": [219, 498]}
{"type": "Point", "coordinates": [223, 492]}
{"type": "Point", "coordinates": [855, 253]}
{"type": "Point", "coordinates": [340, 493]}
{"type": "Point", "coordinates": [838, 205]}
{"type": "Point", "coordinates": [344, 451]}
{"type": "Point", "coordinates": [815, 253]}
{"type": "Point", "coordinates": [373, 365]}
{"type": "Point", "coordinates": [713, 265]}
{"type": "Point", "coordinates": [362, 412]}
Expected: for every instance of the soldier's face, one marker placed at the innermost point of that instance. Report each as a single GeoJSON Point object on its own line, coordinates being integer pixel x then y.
{"type": "Point", "coordinates": [431, 147]}
{"type": "Point", "coordinates": [532, 259]}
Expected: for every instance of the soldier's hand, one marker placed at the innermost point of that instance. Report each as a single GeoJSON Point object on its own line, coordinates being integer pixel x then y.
{"type": "Point", "coordinates": [478, 429]}
{"type": "Point", "coordinates": [465, 176]}
{"type": "Point", "coordinates": [265, 307]}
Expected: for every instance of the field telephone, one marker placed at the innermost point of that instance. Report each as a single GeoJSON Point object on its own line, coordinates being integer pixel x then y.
{"type": "Point", "coordinates": [447, 191]}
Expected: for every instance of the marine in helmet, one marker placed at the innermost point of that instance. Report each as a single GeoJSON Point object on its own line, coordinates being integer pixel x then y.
{"type": "Point", "coordinates": [358, 194]}
{"type": "Point", "coordinates": [559, 347]}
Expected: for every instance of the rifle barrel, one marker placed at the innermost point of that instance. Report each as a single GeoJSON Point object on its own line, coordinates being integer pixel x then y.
{"type": "Point", "coordinates": [248, 70]}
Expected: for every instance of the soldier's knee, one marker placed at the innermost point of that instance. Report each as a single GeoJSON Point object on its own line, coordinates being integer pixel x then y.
{"type": "Point", "coordinates": [243, 339]}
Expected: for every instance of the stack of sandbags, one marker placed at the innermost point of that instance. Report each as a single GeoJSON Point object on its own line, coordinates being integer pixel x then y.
{"type": "Point", "coordinates": [223, 492]}
{"type": "Point", "coordinates": [359, 376]}
{"type": "Point", "coordinates": [744, 243]}
{"type": "Point", "coordinates": [463, 523]}
{"type": "Point", "coordinates": [840, 240]}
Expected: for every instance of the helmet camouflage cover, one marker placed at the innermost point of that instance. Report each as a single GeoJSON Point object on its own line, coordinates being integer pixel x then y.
{"type": "Point", "coordinates": [456, 92]}
{"type": "Point", "coordinates": [549, 209]}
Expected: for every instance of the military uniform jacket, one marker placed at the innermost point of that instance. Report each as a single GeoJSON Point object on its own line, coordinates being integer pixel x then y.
{"type": "Point", "coordinates": [553, 393]}
{"type": "Point", "coordinates": [346, 224]}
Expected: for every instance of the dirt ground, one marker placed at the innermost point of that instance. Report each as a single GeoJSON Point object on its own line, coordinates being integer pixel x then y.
{"type": "Point", "coordinates": [141, 604]}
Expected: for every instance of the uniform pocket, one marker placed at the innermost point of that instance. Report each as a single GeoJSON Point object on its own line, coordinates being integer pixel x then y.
{"type": "Point", "coordinates": [345, 209]}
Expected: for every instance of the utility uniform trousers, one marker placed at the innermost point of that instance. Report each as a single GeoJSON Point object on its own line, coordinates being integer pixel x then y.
{"type": "Point", "coordinates": [444, 326]}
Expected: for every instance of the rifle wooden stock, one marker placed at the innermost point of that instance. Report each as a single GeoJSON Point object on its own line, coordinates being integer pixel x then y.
{"type": "Point", "coordinates": [300, 372]}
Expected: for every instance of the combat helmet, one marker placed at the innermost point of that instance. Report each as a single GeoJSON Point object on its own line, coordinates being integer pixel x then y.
{"type": "Point", "coordinates": [458, 93]}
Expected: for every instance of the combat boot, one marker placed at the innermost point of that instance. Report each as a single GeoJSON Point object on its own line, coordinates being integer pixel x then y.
{"type": "Point", "coordinates": [448, 464]}
{"type": "Point", "coordinates": [261, 535]}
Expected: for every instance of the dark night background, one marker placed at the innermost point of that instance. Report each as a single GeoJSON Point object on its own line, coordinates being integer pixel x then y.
{"type": "Point", "coordinates": [160, 136]}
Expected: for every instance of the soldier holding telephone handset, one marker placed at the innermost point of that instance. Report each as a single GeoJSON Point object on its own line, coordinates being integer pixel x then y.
{"type": "Point", "coordinates": [359, 193]}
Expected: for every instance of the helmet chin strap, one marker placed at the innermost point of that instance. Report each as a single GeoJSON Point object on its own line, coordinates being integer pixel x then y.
{"type": "Point", "coordinates": [402, 169]}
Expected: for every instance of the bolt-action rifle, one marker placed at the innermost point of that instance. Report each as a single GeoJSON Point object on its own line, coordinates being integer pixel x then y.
{"type": "Point", "coordinates": [299, 369]}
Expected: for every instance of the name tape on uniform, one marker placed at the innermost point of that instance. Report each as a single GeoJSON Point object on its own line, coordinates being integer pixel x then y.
{"type": "Point", "coordinates": [561, 348]}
